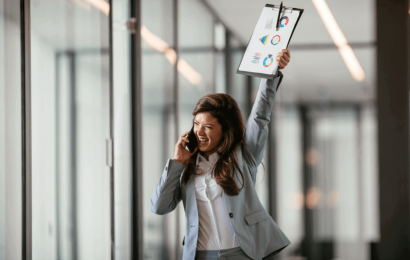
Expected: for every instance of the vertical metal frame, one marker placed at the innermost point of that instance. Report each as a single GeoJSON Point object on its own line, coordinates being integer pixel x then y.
{"type": "Point", "coordinates": [271, 161]}
{"type": "Point", "coordinates": [175, 68]}
{"type": "Point", "coordinates": [228, 62]}
{"type": "Point", "coordinates": [214, 53]}
{"type": "Point", "coordinates": [73, 153]}
{"type": "Point", "coordinates": [57, 154]}
{"type": "Point", "coordinates": [360, 176]}
{"type": "Point", "coordinates": [111, 112]}
{"type": "Point", "coordinates": [308, 245]}
{"type": "Point", "coordinates": [175, 39]}
{"type": "Point", "coordinates": [136, 114]}
{"type": "Point", "coordinates": [26, 129]}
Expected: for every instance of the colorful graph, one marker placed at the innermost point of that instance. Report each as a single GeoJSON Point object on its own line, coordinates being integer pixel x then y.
{"type": "Point", "coordinates": [264, 39]}
{"type": "Point", "coordinates": [286, 19]}
{"type": "Point", "coordinates": [275, 40]}
{"type": "Point", "coordinates": [256, 57]}
{"type": "Point", "coordinates": [267, 59]}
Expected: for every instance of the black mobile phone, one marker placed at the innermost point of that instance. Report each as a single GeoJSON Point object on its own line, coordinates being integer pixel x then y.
{"type": "Point", "coordinates": [193, 143]}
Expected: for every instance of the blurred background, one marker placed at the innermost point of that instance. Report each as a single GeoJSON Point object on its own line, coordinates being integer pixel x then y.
{"type": "Point", "coordinates": [95, 93]}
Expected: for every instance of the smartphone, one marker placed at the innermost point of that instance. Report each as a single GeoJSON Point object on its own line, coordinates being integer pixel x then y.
{"type": "Point", "coordinates": [193, 143]}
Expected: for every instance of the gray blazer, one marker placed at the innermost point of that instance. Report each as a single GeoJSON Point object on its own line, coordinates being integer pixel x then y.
{"type": "Point", "coordinates": [256, 232]}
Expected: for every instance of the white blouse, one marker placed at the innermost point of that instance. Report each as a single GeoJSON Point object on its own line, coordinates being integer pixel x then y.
{"type": "Point", "coordinates": [215, 229]}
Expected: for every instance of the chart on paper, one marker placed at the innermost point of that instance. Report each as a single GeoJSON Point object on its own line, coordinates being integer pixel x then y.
{"type": "Point", "coordinates": [266, 41]}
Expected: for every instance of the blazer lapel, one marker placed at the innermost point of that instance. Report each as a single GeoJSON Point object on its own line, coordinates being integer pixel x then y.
{"type": "Point", "coordinates": [191, 206]}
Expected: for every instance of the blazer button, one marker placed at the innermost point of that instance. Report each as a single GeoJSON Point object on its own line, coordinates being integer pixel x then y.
{"type": "Point", "coordinates": [166, 168]}
{"type": "Point", "coordinates": [231, 215]}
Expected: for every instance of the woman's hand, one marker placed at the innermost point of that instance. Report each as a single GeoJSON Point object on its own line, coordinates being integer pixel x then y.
{"type": "Point", "coordinates": [283, 58]}
{"type": "Point", "coordinates": [181, 154]}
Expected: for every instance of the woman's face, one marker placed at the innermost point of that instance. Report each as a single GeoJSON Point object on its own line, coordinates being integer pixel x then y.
{"type": "Point", "coordinates": [208, 132]}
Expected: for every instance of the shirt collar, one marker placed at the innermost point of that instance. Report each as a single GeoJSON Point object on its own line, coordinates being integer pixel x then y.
{"type": "Point", "coordinates": [213, 158]}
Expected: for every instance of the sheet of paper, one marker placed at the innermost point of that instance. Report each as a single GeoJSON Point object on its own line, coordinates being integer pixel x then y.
{"type": "Point", "coordinates": [266, 42]}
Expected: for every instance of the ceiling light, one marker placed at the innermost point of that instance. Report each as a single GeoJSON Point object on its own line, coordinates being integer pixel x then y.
{"type": "Point", "coordinates": [154, 41]}
{"type": "Point", "coordinates": [339, 39]}
{"type": "Point", "coordinates": [101, 5]}
{"type": "Point", "coordinates": [170, 54]}
{"type": "Point", "coordinates": [188, 72]}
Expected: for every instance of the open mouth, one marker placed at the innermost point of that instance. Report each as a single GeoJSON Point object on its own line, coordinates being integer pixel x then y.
{"type": "Point", "coordinates": [203, 141]}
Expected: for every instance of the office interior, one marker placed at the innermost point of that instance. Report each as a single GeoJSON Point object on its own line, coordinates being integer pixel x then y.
{"type": "Point", "coordinates": [94, 95]}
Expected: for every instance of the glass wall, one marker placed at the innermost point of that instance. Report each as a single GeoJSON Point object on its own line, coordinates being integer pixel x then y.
{"type": "Point", "coordinates": [122, 128]}
{"type": "Point", "coordinates": [70, 127]}
{"type": "Point", "coordinates": [158, 60]}
{"type": "Point", "coordinates": [10, 131]}
{"type": "Point", "coordinates": [289, 172]}
{"type": "Point", "coordinates": [327, 197]}
{"type": "Point", "coordinates": [239, 82]}
{"type": "Point", "coordinates": [197, 52]}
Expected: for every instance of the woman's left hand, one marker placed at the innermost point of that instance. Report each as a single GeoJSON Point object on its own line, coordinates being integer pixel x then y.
{"type": "Point", "coordinates": [283, 58]}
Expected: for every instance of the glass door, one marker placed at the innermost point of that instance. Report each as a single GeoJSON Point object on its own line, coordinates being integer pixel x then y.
{"type": "Point", "coordinates": [71, 130]}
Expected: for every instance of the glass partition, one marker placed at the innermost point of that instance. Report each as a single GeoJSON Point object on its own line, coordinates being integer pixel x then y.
{"type": "Point", "coordinates": [336, 216]}
{"type": "Point", "coordinates": [122, 129]}
{"type": "Point", "coordinates": [10, 131]}
{"type": "Point", "coordinates": [158, 127]}
{"type": "Point", "coordinates": [239, 81]}
{"type": "Point", "coordinates": [288, 132]}
{"type": "Point", "coordinates": [195, 66]}
{"type": "Point", "coordinates": [70, 127]}
{"type": "Point", "coordinates": [196, 54]}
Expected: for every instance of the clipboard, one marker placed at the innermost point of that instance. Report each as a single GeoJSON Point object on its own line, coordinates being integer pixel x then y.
{"type": "Point", "coordinates": [272, 33]}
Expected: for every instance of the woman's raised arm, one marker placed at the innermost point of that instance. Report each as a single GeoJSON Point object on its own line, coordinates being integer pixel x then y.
{"type": "Point", "coordinates": [257, 125]}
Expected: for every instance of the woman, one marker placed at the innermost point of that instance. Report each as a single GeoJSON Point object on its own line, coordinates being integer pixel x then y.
{"type": "Point", "coordinates": [224, 217]}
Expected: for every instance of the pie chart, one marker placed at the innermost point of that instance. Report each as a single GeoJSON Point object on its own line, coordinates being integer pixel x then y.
{"type": "Point", "coordinates": [267, 59]}
{"type": "Point", "coordinates": [275, 40]}
{"type": "Point", "coordinates": [284, 21]}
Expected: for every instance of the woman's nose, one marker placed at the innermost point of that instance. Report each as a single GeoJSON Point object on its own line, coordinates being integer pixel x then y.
{"type": "Point", "coordinates": [201, 131]}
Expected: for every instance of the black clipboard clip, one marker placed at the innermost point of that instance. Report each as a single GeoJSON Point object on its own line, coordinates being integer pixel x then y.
{"type": "Point", "coordinates": [282, 10]}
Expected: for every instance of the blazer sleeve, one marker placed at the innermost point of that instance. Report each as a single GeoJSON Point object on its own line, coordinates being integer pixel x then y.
{"type": "Point", "coordinates": [257, 125]}
{"type": "Point", "coordinates": [167, 194]}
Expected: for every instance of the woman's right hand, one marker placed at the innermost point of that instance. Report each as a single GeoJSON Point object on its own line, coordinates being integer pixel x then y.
{"type": "Point", "coordinates": [181, 154]}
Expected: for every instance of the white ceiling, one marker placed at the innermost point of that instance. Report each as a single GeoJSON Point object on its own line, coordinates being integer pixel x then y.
{"type": "Point", "coordinates": [314, 73]}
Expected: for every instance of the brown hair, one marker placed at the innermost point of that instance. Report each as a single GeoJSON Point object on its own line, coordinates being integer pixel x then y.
{"type": "Point", "coordinates": [225, 109]}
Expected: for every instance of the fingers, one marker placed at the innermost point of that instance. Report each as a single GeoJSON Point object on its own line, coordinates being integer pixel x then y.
{"type": "Point", "coordinates": [281, 63]}
{"type": "Point", "coordinates": [283, 58]}
{"type": "Point", "coordinates": [286, 52]}
{"type": "Point", "coordinates": [185, 133]}
{"type": "Point", "coordinates": [183, 140]}
{"type": "Point", "coordinates": [284, 55]}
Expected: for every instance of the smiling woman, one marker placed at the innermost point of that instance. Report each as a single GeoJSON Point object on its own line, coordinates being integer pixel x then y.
{"type": "Point", "coordinates": [219, 124]}
{"type": "Point", "coordinates": [208, 132]}
{"type": "Point", "coordinates": [216, 182]}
